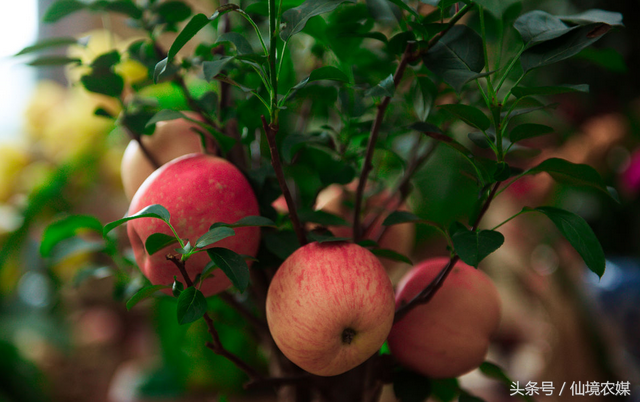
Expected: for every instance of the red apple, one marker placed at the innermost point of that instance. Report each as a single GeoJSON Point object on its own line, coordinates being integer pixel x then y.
{"type": "Point", "coordinates": [330, 307]}
{"type": "Point", "coordinates": [448, 336]}
{"type": "Point", "coordinates": [170, 140]}
{"type": "Point", "coordinates": [198, 190]}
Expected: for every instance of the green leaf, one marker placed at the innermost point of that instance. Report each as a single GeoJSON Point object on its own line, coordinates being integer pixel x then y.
{"type": "Point", "coordinates": [232, 264]}
{"type": "Point", "coordinates": [177, 287]}
{"type": "Point", "coordinates": [296, 18]}
{"type": "Point", "coordinates": [391, 255]}
{"type": "Point", "coordinates": [165, 115]}
{"type": "Point", "coordinates": [609, 59]}
{"type": "Point", "coordinates": [126, 7]}
{"type": "Point", "coordinates": [52, 61]}
{"type": "Point", "coordinates": [469, 398]}
{"type": "Point", "coordinates": [566, 172]}
{"type": "Point", "coordinates": [61, 9]}
{"type": "Point", "coordinates": [594, 16]}
{"type": "Point", "coordinates": [539, 26]}
{"type": "Point", "coordinates": [66, 228]}
{"type": "Point", "coordinates": [426, 94]}
{"type": "Point", "coordinates": [325, 237]}
{"type": "Point", "coordinates": [213, 68]}
{"type": "Point", "coordinates": [429, 130]}
{"type": "Point", "coordinates": [520, 92]}
{"type": "Point", "coordinates": [241, 43]}
{"type": "Point", "coordinates": [561, 48]}
{"type": "Point", "coordinates": [106, 60]}
{"type": "Point", "coordinates": [321, 217]}
{"type": "Point", "coordinates": [481, 140]}
{"type": "Point", "coordinates": [47, 44]}
{"type": "Point", "coordinates": [190, 30]}
{"type": "Point", "coordinates": [398, 217]}
{"type": "Point", "coordinates": [73, 246]}
{"type": "Point", "coordinates": [409, 386]}
{"type": "Point", "coordinates": [102, 112]}
{"type": "Point", "coordinates": [157, 241]}
{"type": "Point", "coordinates": [497, 373]}
{"type": "Point", "coordinates": [152, 211]}
{"type": "Point", "coordinates": [144, 293]}
{"type": "Point", "coordinates": [281, 244]}
{"type": "Point", "coordinates": [496, 7]}
{"type": "Point", "coordinates": [385, 87]}
{"type": "Point", "coordinates": [474, 246]}
{"type": "Point", "coordinates": [529, 130]}
{"type": "Point", "coordinates": [444, 390]}
{"type": "Point", "coordinates": [457, 58]}
{"type": "Point", "coordinates": [407, 8]}
{"type": "Point", "coordinates": [328, 73]}
{"type": "Point", "coordinates": [578, 232]}
{"type": "Point", "coordinates": [105, 83]}
{"type": "Point", "coordinates": [191, 305]}
{"type": "Point", "coordinates": [501, 171]}
{"type": "Point", "coordinates": [214, 235]}
{"type": "Point", "coordinates": [252, 220]}
{"type": "Point", "coordinates": [173, 11]}
{"type": "Point", "coordinates": [469, 114]}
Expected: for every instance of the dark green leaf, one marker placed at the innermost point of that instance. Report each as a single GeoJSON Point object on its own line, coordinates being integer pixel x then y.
{"type": "Point", "coordinates": [328, 73]}
{"type": "Point", "coordinates": [173, 11]}
{"type": "Point", "coordinates": [458, 57]}
{"type": "Point", "coordinates": [386, 87]}
{"type": "Point", "coordinates": [126, 7]}
{"type": "Point", "coordinates": [226, 8]}
{"type": "Point", "coordinates": [177, 287]}
{"type": "Point", "coordinates": [296, 18]}
{"type": "Point", "coordinates": [368, 243]}
{"type": "Point", "coordinates": [391, 255]}
{"type": "Point", "coordinates": [160, 69]}
{"type": "Point", "coordinates": [144, 293]}
{"type": "Point", "coordinates": [496, 7]}
{"type": "Point", "coordinates": [165, 115]}
{"type": "Point", "coordinates": [232, 264]}
{"type": "Point", "coordinates": [520, 92]}
{"type": "Point", "coordinates": [529, 130]}
{"type": "Point", "coordinates": [47, 44]}
{"type": "Point", "coordinates": [157, 241]}
{"type": "Point", "coordinates": [214, 235]}
{"type": "Point", "coordinates": [191, 305]}
{"type": "Point", "coordinates": [321, 217]}
{"type": "Point", "coordinates": [539, 26]}
{"type": "Point", "coordinates": [469, 114]}
{"type": "Point", "coordinates": [293, 142]}
{"type": "Point", "coordinates": [102, 112]}
{"type": "Point", "coordinates": [398, 217]}
{"type": "Point", "coordinates": [447, 140]}
{"type": "Point", "coordinates": [566, 172]}
{"type": "Point", "coordinates": [194, 26]}
{"type": "Point", "coordinates": [61, 9]}
{"type": "Point", "coordinates": [425, 96]}
{"type": "Point", "coordinates": [252, 220]}
{"type": "Point", "coordinates": [594, 16]}
{"type": "Point", "coordinates": [240, 42]}
{"type": "Point", "coordinates": [578, 232]}
{"type": "Point", "coordinates": [106, 61]}
{"type": "Point", "coordinates": [425, 127]}
{"type": "Point", "coordinates": [66, 228]}
{"type": "Point", "coordinates": [282, 244]}
{"type": "Point", "coordinates": [213, 68]}
{"type": "Point", "coordinates": [106, 83]}
{"type": "Point", "coordinates": [501, 171]}
{"type": "Point", "coordinates": [493, 371]}
{"type": "Point", "coordinates": [608, 58]}
{"type": "Point", "coordinates": [469, 398]}
{"type": "Point", "coordinates": [406, 7]}
{"type": "Point", "coordinates": [409, 386]}
{"type": "Point", "coordinates": [481, 140]}
{"type": "Point", "coordinates": [152, 211]}
{"type": "Point", "coordinates": [324, 237]}
{"type": "Point", "coordinates": [209, 102]}
{"type": "Point", "coordinates": [474, 246]}
{"type": "Point", "coordinates": [47, 61]}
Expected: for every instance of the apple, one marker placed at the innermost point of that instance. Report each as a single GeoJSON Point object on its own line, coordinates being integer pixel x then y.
{"type": "Point", "coordinates": [330, 307]}
{"type": "Point", "coordinates": [448, 336]}
{"type": "Point", "coordinates": [197, 190]}
{"type": "Point", "coordinates": [170, 140]}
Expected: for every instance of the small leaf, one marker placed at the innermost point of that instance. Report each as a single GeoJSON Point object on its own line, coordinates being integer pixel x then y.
{"type": "Point", "coordinates": [252, 220]}
{"type": "Point", "coordinates": [520, 92]}
{"type": "Point", "coordinates": [191, 305]}
{"type": "Point", "coordinates": [108, 83]}
{"type": "Point", "coordinates": [386, 87]}
{"type": "Point", "coordinates": [61, 9]}
{"type": "Point", "coordinates": [106, 60]}
{"type": "Point", "coordinates": [296, 18]}
{"type": "Point", "coordinates": [232, 264]}
{"type": "Point", "coordinates": [157, 241]}
{"type": "Point", "coordinates": [152, 211]}
{"type": "Point", "coordinates": [496, 7]}
{"type": "Point", "coordinates": [322, 236]}
{"type": "Point", "coordinates": [530, 130]}
{"type": "Point", "coordinates": [144, 293]}
{"type": "Point", "coordinates": [102, 112]}
{"type": "Point", "coordinates": [241, 44]}
{"type": "Point", "coordinates": [594, 16]}
{"type": "Point", "coordinates": [165, 115]}
{"type": "Point", "coordinates": [173, 11]}
{"type": "Point", "coordinates": [425, 96]}
{"type": "Point", "coordinates": [46, 44]}
{"type": "Point", "coordinates": [469, 114]}
{"type": "Point", "coordinates": [493, 371]}
{"type": "Point", "coordinates": [328, 73]}
{"type": "Point", "coordinates": [564, 171]}
{"type": "Point", "coordinates": [177, 287]}
{"type": "Point", "coordinates": [578, 232]}
{"type": "Point", "coordinates": [190, 30]}
{"type": "Point", "coordinates": [214, 235]}
{"type": "Point", "coordinates": [160, 69]}
{"type": "Point", "coordinates": [48, 61]}
{"type": "Point", "coordinates": [474, 246]}
{"type": "Point", "coordinates": [321, 217]}
{"type": "Point", "coordinates": [539, 26]}
{"type": "Point", "coordinates": [398, 217]}
{"type": "Point", "coordinates": [391, 255]}
{"type": "Point", "coordinates": [481, 140]}
{"type": "Point", "coordinates": [126, 7]}
{"type": "Point", "coordinates": [213, 68]}
{"type": "Point", "coordinates": [501, 171]}
{"type": "Point", "coordinates": [66, 228]}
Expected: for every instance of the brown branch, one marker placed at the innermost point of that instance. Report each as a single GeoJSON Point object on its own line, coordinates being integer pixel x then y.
{"type": "Point", "coordinates": [373, 138]}
{"type": "Point", "coordinates": [430, 290]}
{"type": "Point", "coordinates": [216, 344]}
{"type": "Point", "coordinates": [271, 130]}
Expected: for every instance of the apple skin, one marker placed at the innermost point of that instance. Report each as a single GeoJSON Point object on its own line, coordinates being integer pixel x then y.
{"type": "Point", "coordinates": [320, 291]}
{"type": "Point", "coordinates": [170, 140]}
{"type": "Point", "coordinates": [197, 190]}
{"type": "Point", "coordinates": [448, 336]}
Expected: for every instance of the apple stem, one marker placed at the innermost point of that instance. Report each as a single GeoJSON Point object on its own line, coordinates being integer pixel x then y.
{"type": "Point", "coordinates": [347, 335]}
{"type": "Point", "coordinates": [271, 130]}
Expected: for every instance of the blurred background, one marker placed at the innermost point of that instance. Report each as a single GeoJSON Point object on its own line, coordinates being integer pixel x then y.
{"type": "Point", "coordinates": [64, 337]}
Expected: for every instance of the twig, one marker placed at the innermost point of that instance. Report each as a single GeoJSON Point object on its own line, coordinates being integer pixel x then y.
{"type": "Point", "coordinates": [430, 290]}
{"type": "Point", "coordinates": [271, 130]}
{"type": "Point", "coordinates": [373, 138]}
{"type": "Point", "coordinates": [216, 344]}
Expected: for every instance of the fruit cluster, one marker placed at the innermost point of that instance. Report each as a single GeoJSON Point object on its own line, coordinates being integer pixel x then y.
{"type": "Point", "coordinates": [330, 306]}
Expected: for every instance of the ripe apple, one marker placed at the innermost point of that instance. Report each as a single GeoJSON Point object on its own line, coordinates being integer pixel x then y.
{"type": "Point", "coordinates": [448, 336]}
{"type": "Point", "coordinates": [198, 190]}
{"type": "Point", "coordinates": [170, 140]}
{"type": "Point", "coordinates": [330, 307]}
